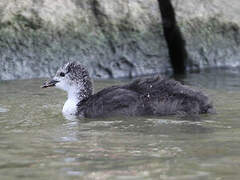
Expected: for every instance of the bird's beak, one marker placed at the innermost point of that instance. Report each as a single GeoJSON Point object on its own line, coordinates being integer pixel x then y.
{"type": "Point", "coordinates": [49, 83]}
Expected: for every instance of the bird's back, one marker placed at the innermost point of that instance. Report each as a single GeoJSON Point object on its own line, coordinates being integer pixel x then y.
{"type": "Point", "coordinates": [149, 96]}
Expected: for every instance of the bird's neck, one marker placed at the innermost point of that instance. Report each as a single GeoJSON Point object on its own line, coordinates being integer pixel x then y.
{"type": "Point", "coordinates": [75, 96]}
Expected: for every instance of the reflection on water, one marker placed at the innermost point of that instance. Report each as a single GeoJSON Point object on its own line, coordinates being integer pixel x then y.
{"type": "Point", "coordinates": [37, 142]}
{"type": "Point", "coordinates": [3, 110]}
{"type": "Point", "coordinates": [220, 79]}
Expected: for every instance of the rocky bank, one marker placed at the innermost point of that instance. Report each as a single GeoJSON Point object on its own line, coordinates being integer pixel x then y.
{"type": "Point", "coordinates": [120, 38]}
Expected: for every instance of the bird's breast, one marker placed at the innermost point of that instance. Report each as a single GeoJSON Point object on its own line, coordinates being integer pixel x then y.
{"type": "Point", "coordinates": [70, 107]}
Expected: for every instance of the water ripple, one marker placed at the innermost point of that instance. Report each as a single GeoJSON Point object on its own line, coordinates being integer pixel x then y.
{"type": "Point", "coordinates": [3, 110]}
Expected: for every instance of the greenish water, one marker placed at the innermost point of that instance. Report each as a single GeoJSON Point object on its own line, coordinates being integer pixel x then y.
{"type": "Point", "coordinates": [37, 142]}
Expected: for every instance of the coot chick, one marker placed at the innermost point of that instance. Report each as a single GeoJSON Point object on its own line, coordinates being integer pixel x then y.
{"type": "Point", "coordinates": [154, 96]}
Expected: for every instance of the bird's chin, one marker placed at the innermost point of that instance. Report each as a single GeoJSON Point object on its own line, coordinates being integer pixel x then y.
{"type": "Point", "coordinates": [61, 85]}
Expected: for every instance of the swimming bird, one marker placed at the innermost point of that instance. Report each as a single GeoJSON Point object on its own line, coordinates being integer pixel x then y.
{"type": "Point", "coordinates": [151, 96]}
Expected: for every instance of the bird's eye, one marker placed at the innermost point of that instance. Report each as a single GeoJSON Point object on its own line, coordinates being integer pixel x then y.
{"type": "Point", "coordinates": [62, 74]}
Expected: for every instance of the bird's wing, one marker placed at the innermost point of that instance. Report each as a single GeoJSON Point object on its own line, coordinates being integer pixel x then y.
{"type": "Point", "coordinates": [110, 101]}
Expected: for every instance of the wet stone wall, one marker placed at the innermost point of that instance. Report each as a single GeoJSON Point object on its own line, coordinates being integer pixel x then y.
{"type": "Point", "coordinates": [119, 38]}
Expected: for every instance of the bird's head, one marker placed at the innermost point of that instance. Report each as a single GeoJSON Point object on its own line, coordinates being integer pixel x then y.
{"type": "Point", "coordinates": [71, 77]}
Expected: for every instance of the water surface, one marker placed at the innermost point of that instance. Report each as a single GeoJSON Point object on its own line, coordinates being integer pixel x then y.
{"type": "Point", "coordinates": [37, 142]}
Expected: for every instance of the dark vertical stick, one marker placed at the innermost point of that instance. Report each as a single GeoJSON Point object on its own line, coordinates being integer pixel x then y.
{"type": "Point", "coordinates": [173, 36]}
